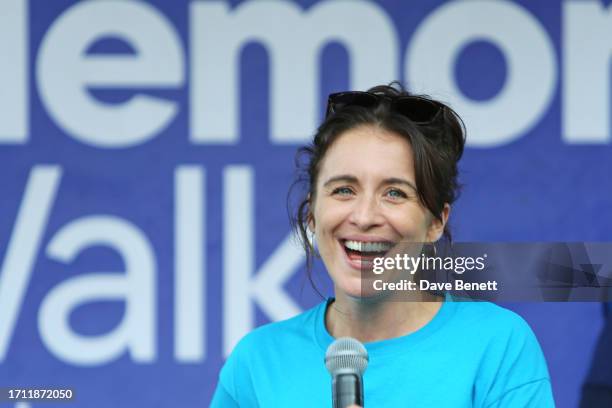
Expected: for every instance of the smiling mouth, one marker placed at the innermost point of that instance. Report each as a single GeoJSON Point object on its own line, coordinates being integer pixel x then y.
{"type": "Point", "coordinates": [365, 251]}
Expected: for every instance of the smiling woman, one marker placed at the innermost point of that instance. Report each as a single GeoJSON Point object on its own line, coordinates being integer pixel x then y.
{"type": "Point", "coordinates": [358, 207]}
{"type": "Point", "coordinates": [382, 169]}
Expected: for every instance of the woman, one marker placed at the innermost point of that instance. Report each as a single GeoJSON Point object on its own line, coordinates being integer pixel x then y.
{"type": "Point", "coordinates": [383, 169]}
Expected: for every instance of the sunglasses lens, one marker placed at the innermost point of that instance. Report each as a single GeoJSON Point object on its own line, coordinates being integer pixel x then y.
{"type": "Point", "coordinates": [418, 110]}
{"type": "Point", "coordinates": [340, 100]}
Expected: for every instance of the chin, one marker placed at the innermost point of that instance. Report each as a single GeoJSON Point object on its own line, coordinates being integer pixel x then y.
{"type": "Point", "coordinates": [352, 286]}
{"type": "Point", "coordinates": [348, 284]}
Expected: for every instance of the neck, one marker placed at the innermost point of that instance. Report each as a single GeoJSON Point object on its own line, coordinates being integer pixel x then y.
{"type": "Point", "coordinates": [370, 320]}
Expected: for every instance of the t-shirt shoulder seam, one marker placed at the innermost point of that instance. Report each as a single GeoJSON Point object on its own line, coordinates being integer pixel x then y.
{"type": "Point", "coordinates": [516, 388]}
{"type": "Point", "coordinates": [227, 391]}
{"type": "Point", "coordinates": [283, 326]}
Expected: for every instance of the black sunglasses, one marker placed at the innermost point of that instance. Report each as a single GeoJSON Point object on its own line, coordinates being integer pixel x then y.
{"type": "Point", "coordinates": [418, 109]}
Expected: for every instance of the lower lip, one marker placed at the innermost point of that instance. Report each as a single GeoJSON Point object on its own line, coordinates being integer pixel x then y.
{"type": "Point", "coordinates": [356, 263]}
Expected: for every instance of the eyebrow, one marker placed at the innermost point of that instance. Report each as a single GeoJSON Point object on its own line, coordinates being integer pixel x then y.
{"type": "Point", "coordinates": [343, 177]}
{"type": "Point", "coordinates": [347, 178]}
{"type": "Point", "coordinates": [396, 180]}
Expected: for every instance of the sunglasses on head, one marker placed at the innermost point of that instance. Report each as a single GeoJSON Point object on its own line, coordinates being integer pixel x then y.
{"type": "Point", "coordinates": [418, 109]}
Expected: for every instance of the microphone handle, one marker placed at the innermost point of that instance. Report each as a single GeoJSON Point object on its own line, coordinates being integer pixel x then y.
{"type": "Point", "coordinates": [347, 390]}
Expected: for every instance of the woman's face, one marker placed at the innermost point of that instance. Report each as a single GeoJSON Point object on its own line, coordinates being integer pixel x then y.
{"type": "Point", "coordinates": [365, 202]}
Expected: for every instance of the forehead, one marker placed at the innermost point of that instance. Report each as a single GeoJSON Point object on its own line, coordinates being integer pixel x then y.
{"type": "Point", "coordinates": [368, 151]}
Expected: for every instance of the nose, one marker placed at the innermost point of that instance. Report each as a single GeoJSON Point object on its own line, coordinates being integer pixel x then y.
{"type": "Point", "coordinates": [366, 213]}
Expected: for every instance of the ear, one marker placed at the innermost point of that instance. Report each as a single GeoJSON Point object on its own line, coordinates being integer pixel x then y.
{"type": "Point", "coordinates": [436, 229]}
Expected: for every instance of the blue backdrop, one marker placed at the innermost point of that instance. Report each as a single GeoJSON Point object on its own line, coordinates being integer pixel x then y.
{"type": "Point", "coordinates": [147, 149]}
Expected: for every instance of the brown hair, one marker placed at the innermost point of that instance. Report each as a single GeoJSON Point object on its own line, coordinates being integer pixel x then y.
{"type": "Point", "coordinates": [437, 147]}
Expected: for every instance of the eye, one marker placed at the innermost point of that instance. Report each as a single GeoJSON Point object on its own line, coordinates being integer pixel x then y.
{"type": "Point", "coordinates": [342, 191]}
{"type": "Point", "coordinates": [395, 194]}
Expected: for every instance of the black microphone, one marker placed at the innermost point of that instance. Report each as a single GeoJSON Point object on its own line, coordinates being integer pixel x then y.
{"type": "Point", "coordinates": [346, 360]}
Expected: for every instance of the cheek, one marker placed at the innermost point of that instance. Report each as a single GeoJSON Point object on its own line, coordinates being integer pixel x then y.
{"type": "Point", "coordinates": [328, 215]}
{"type": "Point", "coordinates": [411, 225]}
{"type": "Point", "coordinates": [328, 218]}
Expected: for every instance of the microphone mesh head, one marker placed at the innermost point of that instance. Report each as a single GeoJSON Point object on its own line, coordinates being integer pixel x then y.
{"type": "Point", "coordinates": [346, 355]}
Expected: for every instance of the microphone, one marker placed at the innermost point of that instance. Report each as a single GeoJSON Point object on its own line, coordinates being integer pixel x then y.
{"type": "Point", "coordinates": [346, 360]}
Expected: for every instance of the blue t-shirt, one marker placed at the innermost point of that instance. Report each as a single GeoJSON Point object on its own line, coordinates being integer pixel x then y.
{"type": "Point", "coordinates": [471, 354]}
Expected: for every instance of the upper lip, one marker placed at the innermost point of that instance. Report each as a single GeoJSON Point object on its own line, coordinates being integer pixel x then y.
{"type": "Point", "coordinates": [366, 238]}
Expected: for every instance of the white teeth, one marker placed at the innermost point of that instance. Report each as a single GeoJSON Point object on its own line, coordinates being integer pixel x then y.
{"type": "Point", "coordinates": [367, 246]}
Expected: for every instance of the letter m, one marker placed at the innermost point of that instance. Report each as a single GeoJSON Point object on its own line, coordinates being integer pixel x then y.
{"type": "Point", "coordinates": [293, 39]}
